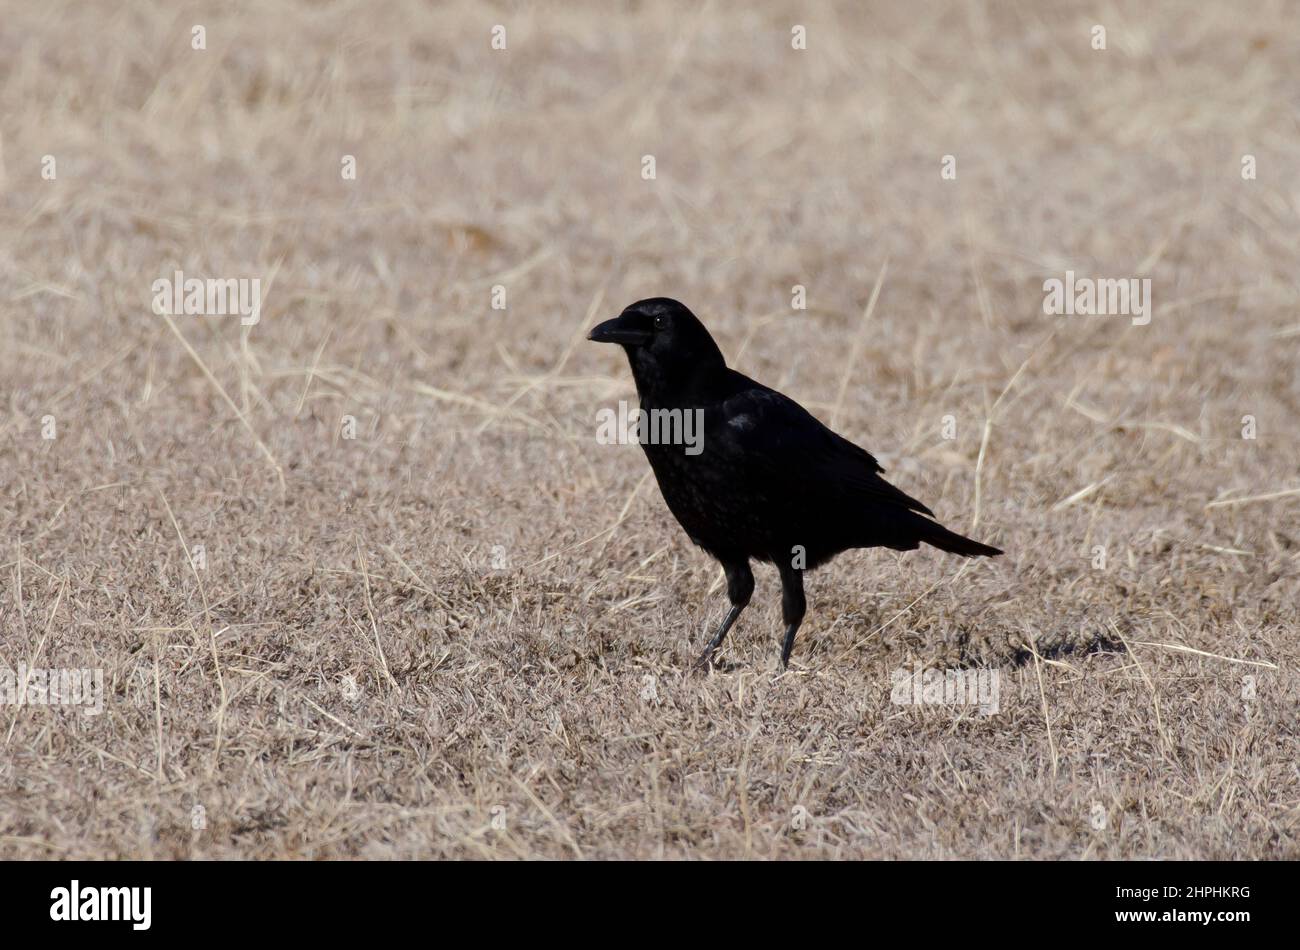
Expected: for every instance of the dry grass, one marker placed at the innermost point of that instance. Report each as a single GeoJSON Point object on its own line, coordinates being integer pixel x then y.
{"type": "Point", "coordinates": [351, 677]}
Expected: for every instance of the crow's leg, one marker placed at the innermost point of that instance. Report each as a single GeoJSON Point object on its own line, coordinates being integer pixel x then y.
{"type": "Point", "coordinates": [792, 608]}
{"type": "Point", "coordinates": [740, 587]}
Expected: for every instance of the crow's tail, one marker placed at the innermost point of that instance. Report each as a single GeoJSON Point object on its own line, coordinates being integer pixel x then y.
{"type": "Point", "coordinates": [933, 533]}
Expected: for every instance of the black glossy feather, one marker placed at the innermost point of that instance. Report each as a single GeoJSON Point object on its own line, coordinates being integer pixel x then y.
{"type": "Point", "coordinates": [770, 482]}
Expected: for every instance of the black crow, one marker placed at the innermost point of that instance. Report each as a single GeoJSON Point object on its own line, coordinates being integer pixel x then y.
{"type": "Point", "coordinates": [767, 481]}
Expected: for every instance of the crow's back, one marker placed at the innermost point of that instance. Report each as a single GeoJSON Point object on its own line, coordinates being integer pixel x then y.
{"type": "Point", "coordinates": [770, 476]}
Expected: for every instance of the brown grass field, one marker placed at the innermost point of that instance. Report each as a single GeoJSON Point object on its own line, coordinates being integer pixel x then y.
{"type": "Point", "coordinates": [468, 631]}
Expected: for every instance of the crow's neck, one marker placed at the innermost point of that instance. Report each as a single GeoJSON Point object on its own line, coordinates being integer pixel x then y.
{"type": "Point", "coordinates": [686, 383]}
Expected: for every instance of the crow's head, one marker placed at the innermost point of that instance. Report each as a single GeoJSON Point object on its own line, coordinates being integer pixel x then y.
{"type": "Point", "coordinates": [662, 338]}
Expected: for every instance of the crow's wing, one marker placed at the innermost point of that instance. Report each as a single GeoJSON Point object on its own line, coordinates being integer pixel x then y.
{"type": "Point", "coordinates": [782, 444]}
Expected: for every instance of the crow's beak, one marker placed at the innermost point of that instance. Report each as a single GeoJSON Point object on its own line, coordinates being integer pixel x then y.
{"type": "Point", "coordinates": [616, 331]}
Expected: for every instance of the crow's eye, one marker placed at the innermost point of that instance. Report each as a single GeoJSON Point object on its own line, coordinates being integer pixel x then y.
{"type": "Point", "coordinates": [660, 322]}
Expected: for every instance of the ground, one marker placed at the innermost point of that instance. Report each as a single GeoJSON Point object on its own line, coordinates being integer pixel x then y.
{"type": "Point", "coordinates": [362, 581]}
